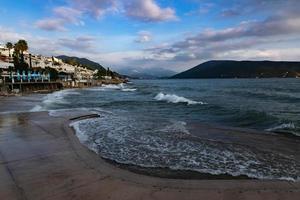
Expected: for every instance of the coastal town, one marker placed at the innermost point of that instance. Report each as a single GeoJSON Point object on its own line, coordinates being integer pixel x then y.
{"type": "Point", "coordinates": [22, 71]}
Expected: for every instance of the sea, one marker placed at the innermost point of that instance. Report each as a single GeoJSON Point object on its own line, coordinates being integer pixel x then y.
{"type": "Point", "coordinates": [146, 123]}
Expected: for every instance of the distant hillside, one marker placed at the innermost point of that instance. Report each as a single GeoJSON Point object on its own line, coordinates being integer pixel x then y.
{"type": "Point", "coordinates": [82, 61]}
{"type": "Point", "coordinates": [242, 69]}
{"type": "Point", "coordinates": [147, 73]}
{"type": "Point", "coordinates": [87, 63]}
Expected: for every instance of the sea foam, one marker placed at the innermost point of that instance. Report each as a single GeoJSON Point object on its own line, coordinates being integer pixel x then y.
{"type": "Point", "coordinates": [172, 98]}
{"type": "Point", "coordinates": [110, 87]}
{"type": "Point", "coordinates": [282, 127]}
{"type": "Point", "coordinates": [286, 127]}
{"type": "Point", "coordinates": [131, 140]}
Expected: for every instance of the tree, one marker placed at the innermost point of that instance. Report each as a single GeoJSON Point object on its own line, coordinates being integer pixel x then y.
{"type": "Point", "coordinates": [18, 55]}
{"type": "Point", "coordinates": [22, 46]}
{"type": "Point", "coordinates": [9, 45]}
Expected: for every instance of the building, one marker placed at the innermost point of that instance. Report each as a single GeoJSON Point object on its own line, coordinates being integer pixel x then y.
{"type": "Point", "coordinates": [5, 51]}
{"type": "Point", "coordinates": [66, 72]}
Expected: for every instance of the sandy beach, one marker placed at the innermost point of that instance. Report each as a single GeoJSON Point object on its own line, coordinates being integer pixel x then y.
{"type": "Point", "coordinates": [41, 158]}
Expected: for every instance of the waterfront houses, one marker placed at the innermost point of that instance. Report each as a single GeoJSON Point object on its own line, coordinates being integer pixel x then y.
{"type": "Point", "coordinates": [69, 75]}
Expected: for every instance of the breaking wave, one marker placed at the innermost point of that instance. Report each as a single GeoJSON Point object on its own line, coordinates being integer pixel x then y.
{"type": "Point", "coordinates": [36, 108]}
{"type": "Point", "coordinates": [169, 144]}
{"type": "Point", "coordinates": [172, 98]}
{"type": "Point", "coordinates": [58, 97]}
{"type": "Point", "coordinates": [284, 128]}
{"type": "Point", "coordinates": [120, 86]}
{"type": "Point", "coordinates": [129, 89]}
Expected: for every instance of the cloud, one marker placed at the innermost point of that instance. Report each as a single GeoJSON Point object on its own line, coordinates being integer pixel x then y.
{"type": "Point", "coordinates": [148, 11]}
{"type": "Point", "coordinates": [68, 15]}
{"type": "Point", "coordinates": [81, 43]}
{"type": "Point", "coordinates": [143, 37]}
{"type": "Point", "coordinates": [274, 26]}
{"type": "Point", "coordinates": [96, 8]}
{"type": "Point", "coordinates": [51, 24]}
{"type": "Point", "coordinates": [203, 9]}
{"type": "Point", "coordinates": [61, 17]}
{"type": "Point", "coordinates": [141, 10]}
{"type": "Point", "coordinates": [9, 35]}
{"type": "Point", "coordinates": [230, 13]}
{"type": "Point", "coordinates": [266, 39]}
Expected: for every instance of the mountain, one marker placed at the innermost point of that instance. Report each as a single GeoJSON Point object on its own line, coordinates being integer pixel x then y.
{"type": "Point", "coordinates": [102, 71]}
{"type": "Point", "coordinates": [242, 69]}
{"type": "Point", "coordinates": [82, 61]}
{"type": "Point", "coordinates": [147, 73]}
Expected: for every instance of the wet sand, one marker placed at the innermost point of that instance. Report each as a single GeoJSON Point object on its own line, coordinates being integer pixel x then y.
{"type": "Point", "coordinates": [41, 158]}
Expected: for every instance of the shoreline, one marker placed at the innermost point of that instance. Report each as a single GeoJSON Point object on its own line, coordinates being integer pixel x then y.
{"type": "Point", "coordinates": [41, 158]}
{"type": "Point", "coordinates": [159, 171]}
{"type": "Point", "coordinates": [167, 173]}
{"type": "Point", "coordinates": [4, 90]}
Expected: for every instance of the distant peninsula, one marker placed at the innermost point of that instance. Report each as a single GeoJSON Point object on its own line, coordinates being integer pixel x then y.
{"type": "Point", "coordinates": [242, 69]}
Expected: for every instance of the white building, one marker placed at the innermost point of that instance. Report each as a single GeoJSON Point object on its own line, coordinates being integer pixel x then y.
{"type": "Point", "coordinates": [5, 51]}
{"type": "Point", "coordinates": [80, 74]}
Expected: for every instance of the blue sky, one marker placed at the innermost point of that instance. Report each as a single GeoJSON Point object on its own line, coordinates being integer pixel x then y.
{"type": "Point", "coordinates": [173, 34]}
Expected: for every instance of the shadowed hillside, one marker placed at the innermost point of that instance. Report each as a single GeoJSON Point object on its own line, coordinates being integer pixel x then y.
{"type": "Point", "coordinates": [242, 69]}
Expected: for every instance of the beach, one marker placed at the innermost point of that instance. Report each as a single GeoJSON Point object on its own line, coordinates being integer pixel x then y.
{"type": "Point", "coordinates": [41, 158]}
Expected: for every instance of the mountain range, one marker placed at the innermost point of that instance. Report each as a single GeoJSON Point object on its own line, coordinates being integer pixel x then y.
{"type": "Point", "coordinates": [146, 73]}
{"type": "Point", "coordinates": [241, 69]}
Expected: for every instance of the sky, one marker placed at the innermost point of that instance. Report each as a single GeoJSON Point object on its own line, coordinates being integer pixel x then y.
{"type": "Point", "coordinates": [170, 34]}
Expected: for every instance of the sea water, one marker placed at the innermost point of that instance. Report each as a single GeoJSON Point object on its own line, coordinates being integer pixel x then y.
{"type": "Point", "coordinates": [144, 123]}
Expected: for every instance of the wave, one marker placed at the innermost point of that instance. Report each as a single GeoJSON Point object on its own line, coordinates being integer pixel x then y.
{"type": "Point", "coordinates": [59, 96]}
{"type": "Point", "coordinates": [111, 86]}
{"type": "Point", "coordinates": [126, 140]}
{"type": "Point", "coordinates": [120, 86]}
{"type": "Point", "coordinates": [36, 108]}
{"type": "Point", "coordinates": [284, 128]}
{"type": "Point", "coordinates": [172, 98]}
{"type": "Point", "coordinates": [178, 127]}
{"type": "Point", "coordinates": [129, 89]}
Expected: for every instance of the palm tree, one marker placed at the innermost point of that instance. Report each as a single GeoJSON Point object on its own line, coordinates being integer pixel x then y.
{"type": "Point", "coordinates": [9, 45]}
{"type": "Point", "coordinates": [19, 48]}
{"type": "Point", "coordinates": [22, 46]}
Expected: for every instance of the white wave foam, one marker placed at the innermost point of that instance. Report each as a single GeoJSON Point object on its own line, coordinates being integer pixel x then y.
{"type": "Point", "coordinates": [172, 98]}
{"type": "Point", "coordinates": [80, 134]}
{"type": "Point", "coordinates": [58, 97]}
{"type": "Point", "coordinates": [129, 89]}
{"type": "Point", "coordinates": [120, 86]}
{"type": "Point", "coordinates": [37, 108]}
{"type": "Point", "coordinates": [126, 140]}
{"type": "Point", "coordinates": [282, 127]}
{"type": "Point", "coordinates": [176, 127]}
{"type": "Point", "coordinates": [288, 127]}
{"type": "Point", "coordinates": [111, 86]}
